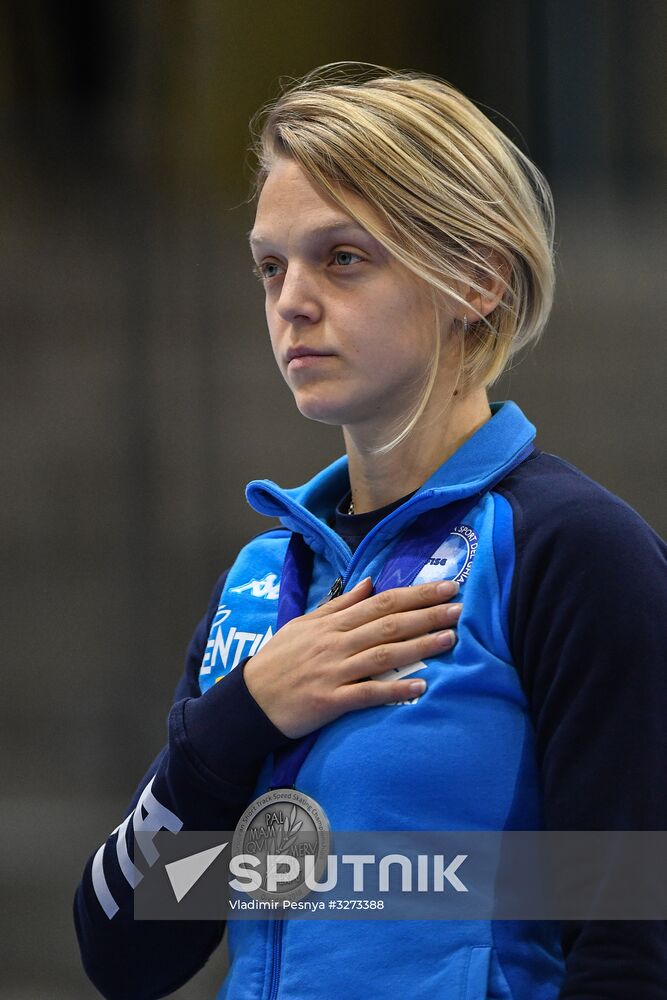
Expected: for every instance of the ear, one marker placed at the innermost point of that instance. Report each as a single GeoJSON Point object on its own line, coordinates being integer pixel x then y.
{"type": "Point", "coordinates": [493, 277]}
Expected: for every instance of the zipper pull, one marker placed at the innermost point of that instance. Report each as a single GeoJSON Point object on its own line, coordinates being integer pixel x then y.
{"type": "Point", "coordinates": [336, 589]}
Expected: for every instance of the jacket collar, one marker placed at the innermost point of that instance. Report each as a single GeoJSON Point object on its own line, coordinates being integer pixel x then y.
{"type": "Point", "coordinates": [478, 463]}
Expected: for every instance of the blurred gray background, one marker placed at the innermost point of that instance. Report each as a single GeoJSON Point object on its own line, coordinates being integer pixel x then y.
{"type": "Point", "coordinates": [138, 391]}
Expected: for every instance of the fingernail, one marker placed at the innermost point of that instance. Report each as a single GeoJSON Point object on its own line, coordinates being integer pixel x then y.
{"type": "Point", "coordinates": [448, 588]}
{"type": "Point", "coordinates": [446, 639]}
{"type": "Point", "coordinates": [416, 687]}
{"type": "Point", "coordinates": [361, 583]}
{"type": "Point", "coordinates": [454, 611]}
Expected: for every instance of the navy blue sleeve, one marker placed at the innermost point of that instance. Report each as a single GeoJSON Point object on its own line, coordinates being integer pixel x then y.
{"type": "Point", "coordinates": [587, 621]}
{"type": "Point", "coordinates": [203, 779]}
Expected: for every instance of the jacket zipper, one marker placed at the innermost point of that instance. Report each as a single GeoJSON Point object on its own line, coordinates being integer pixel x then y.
{"type": "Point", "coordinates": [276, 958]}
{"type": "Point", "coordinates": [337, 588]}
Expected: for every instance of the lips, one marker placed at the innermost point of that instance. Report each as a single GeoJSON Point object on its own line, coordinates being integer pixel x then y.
{"type": "Point", "coordinates": [304, 352]}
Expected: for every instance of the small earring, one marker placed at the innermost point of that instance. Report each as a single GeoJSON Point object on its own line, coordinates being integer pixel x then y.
{"type": "Point", "coordinates": [465, 325]}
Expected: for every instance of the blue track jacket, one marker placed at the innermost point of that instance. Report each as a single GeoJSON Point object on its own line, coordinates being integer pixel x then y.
{"type": "Point", "coordinates": [549, 713]}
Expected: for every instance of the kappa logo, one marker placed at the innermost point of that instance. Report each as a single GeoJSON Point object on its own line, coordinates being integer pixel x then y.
{"type": "Point", "coordinates": [453, 559]}
{"type": "Point", "coordinates": [224, 651]}
{"type": "Point", "coordinates": [268, 587]}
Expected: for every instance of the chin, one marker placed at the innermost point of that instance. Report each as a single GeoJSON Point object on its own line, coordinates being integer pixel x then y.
{"type": "Point", "coordinates": [322, 415]}
{"type": "Point", "coordinates": [324, 411]}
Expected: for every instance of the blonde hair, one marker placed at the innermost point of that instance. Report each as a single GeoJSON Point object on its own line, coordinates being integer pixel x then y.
{"type": "Point", "coordinates": [461, 202]}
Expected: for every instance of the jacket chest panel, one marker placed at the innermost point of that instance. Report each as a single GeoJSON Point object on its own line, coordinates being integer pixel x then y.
{"type": "Point", "coordinates": [450, 760]}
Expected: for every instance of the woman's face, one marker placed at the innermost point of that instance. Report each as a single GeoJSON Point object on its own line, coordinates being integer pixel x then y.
{"type": "Point", "coordinates": [363, 323]}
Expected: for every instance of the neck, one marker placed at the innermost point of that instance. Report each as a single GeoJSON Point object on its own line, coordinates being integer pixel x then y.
{"type": "Point", "coordinates": [378, 480]}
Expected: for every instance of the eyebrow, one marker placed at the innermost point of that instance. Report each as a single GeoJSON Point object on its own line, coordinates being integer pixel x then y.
{"type": "Point", "coordinates": [330, 229]}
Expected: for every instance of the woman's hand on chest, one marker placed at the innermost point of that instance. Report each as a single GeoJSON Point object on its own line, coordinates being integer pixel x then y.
{"type": "Point", "coordinates": [321, 665]}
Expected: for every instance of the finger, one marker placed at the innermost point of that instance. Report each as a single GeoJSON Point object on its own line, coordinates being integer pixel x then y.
{"type": "Point", "coordinates": [371, 693]}
{"type": "Point", "coordinates": [401, 625]}
{"type": "Point", "coordinates": [350, 597]}
{"type": "Point", "coordinates": [395, 600]}
{"type": "Point", "coordinates": [394, 655]}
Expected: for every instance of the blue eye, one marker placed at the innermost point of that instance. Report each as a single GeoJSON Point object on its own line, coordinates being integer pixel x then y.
{"type": "Point", "coordinates": [342, 258]}
{"type": "Point", "coordinates": [260, 271]}
{"type": "Point", "coordinates": [346, 253]}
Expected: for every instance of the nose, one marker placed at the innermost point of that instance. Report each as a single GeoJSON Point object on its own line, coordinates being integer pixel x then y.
{"type": "Point", "coordinates": [298, 298]}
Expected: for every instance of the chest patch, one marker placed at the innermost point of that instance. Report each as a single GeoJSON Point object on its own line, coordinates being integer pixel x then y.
{"type": "Point", "coordinates": [453, 559]}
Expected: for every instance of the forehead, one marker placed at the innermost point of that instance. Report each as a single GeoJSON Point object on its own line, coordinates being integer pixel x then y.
{"type": "Point", "coordinates": [291, 204]}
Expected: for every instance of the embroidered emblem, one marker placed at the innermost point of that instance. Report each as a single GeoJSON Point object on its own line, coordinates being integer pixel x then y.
{"type": "Point", "coordinates": [453, 559]}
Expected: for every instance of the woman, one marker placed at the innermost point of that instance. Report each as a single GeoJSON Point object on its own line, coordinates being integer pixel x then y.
{"type": "Point", "coordinates": [405, 248]}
